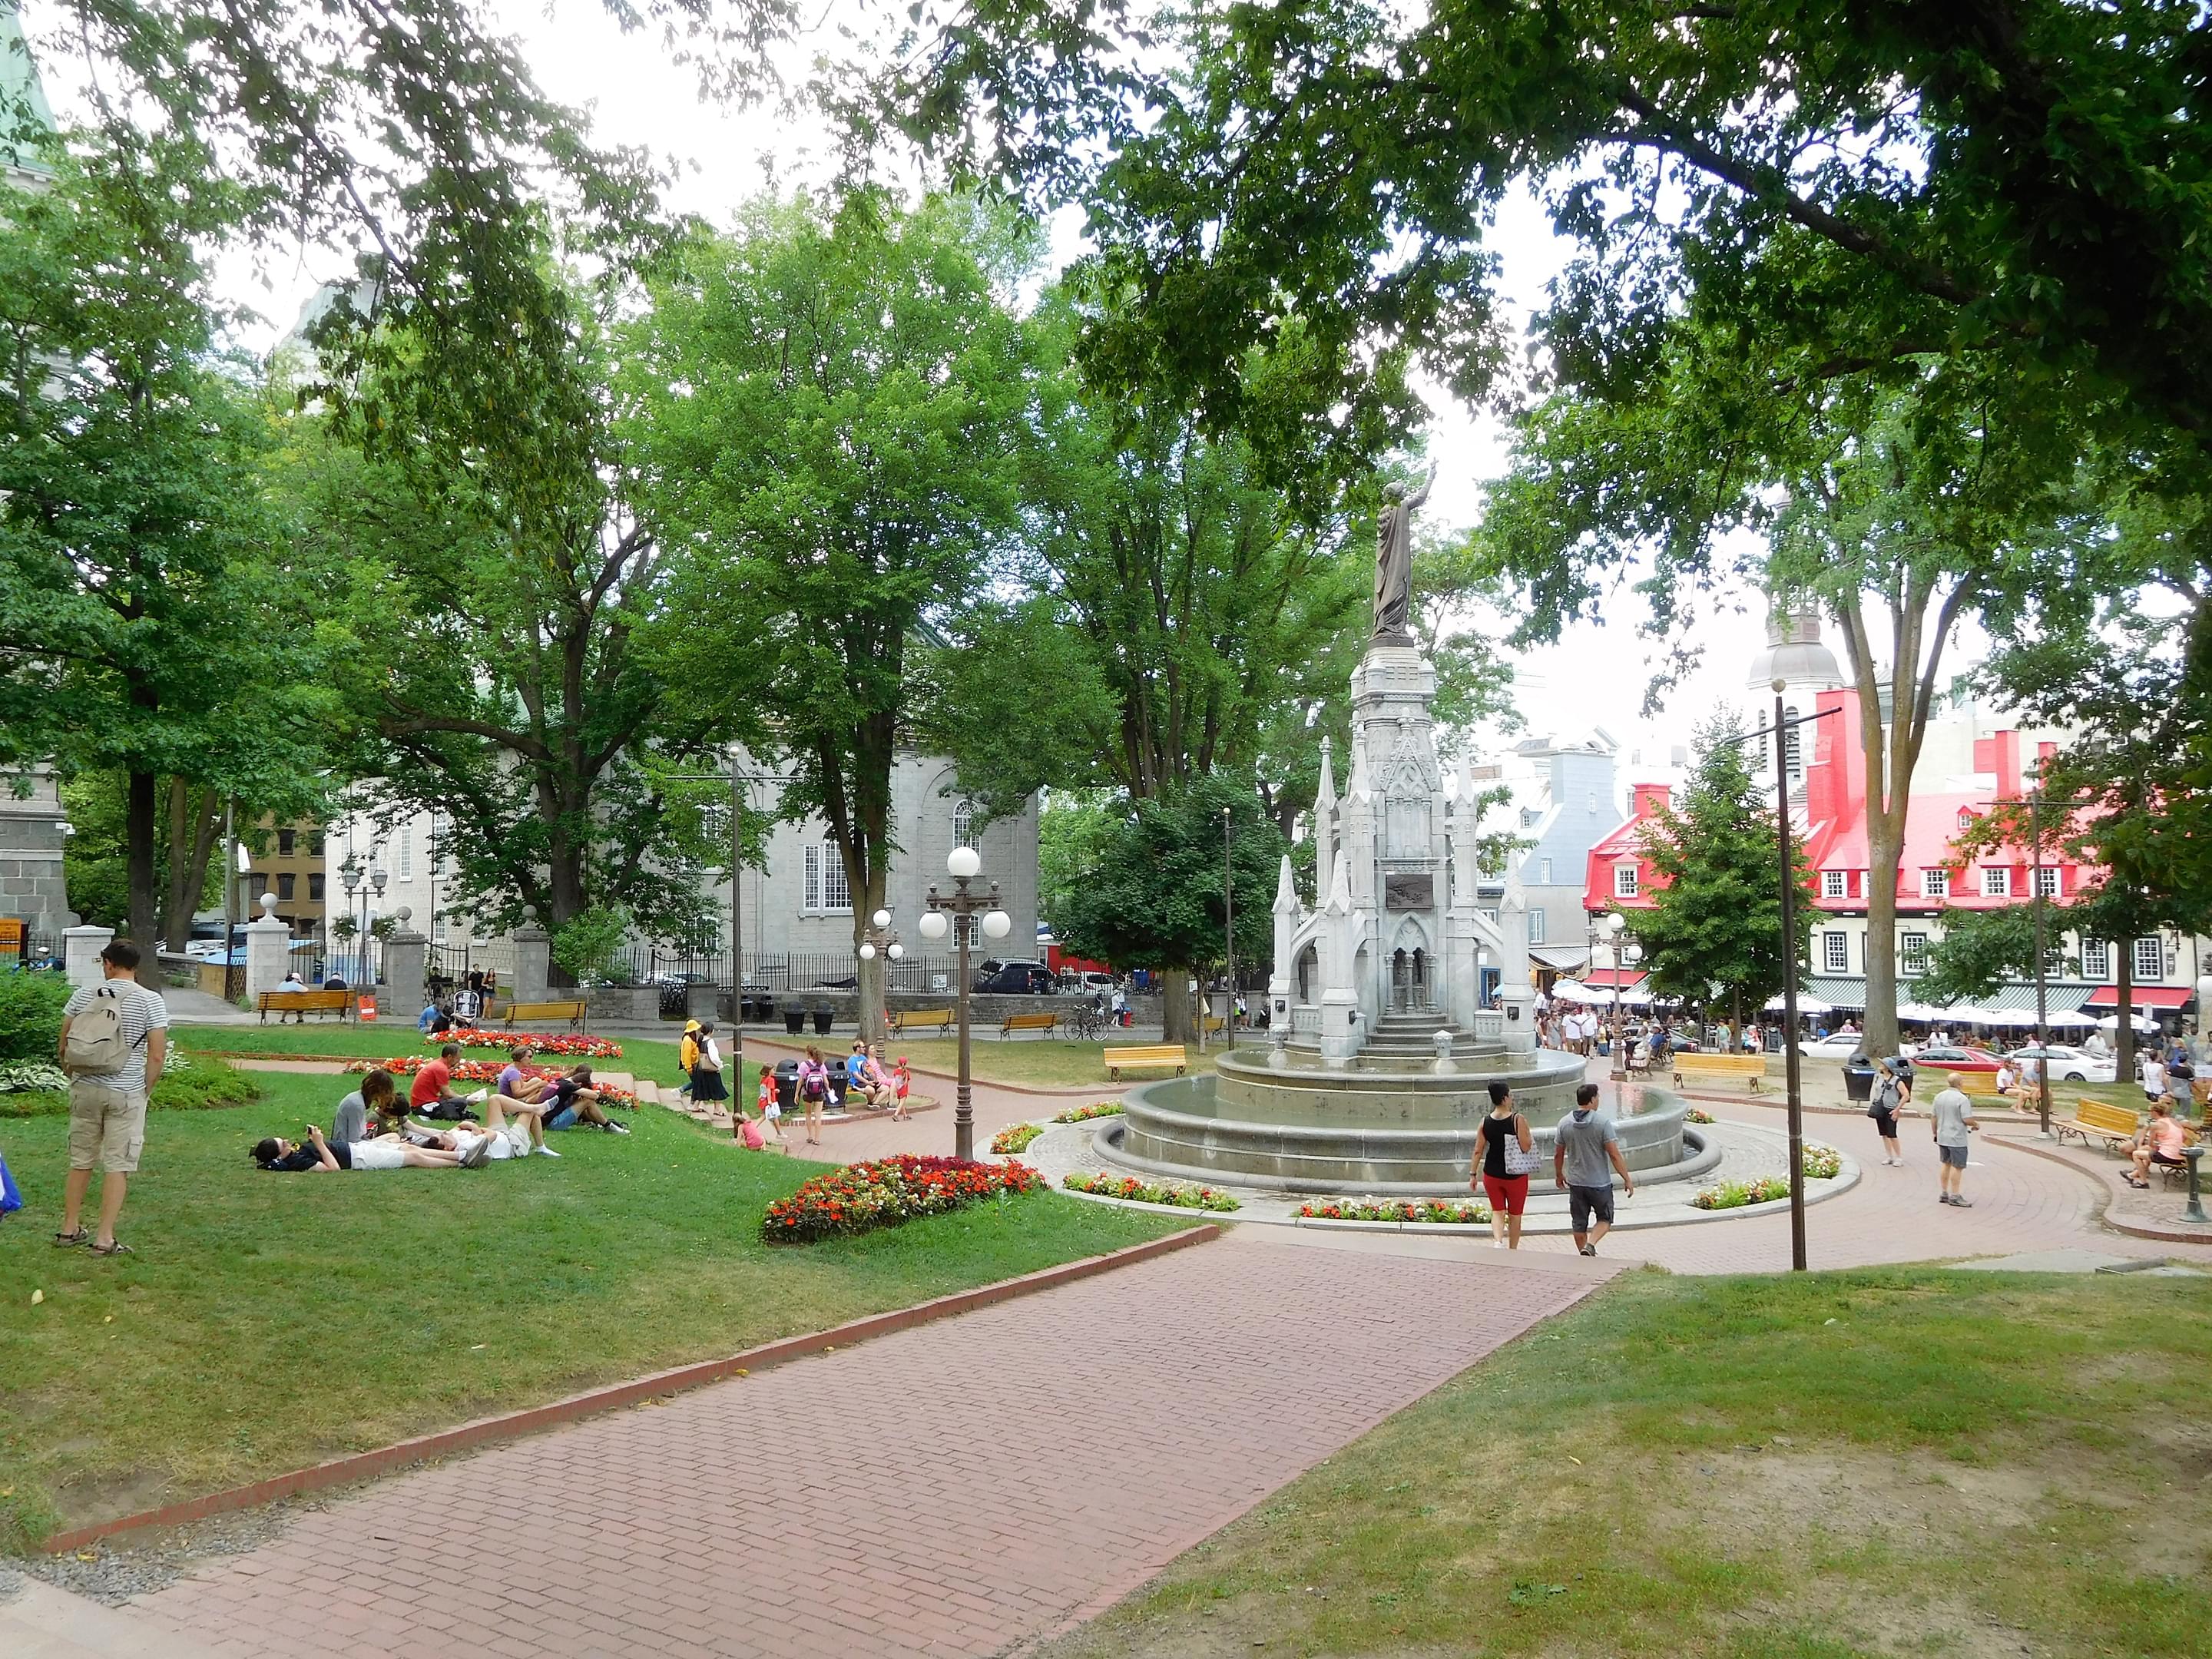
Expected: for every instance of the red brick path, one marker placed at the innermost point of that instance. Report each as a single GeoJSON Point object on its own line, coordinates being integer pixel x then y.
{"type": "Point", "coordinates": [949, 1489]}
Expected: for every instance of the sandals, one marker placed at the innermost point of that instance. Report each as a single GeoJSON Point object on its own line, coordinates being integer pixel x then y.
{"type": "Point", "coordinates": [63, 1240]}
{"type": "Point", "coordinates": [114, 1248]}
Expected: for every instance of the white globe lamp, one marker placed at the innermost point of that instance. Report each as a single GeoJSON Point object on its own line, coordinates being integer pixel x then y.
{"type": "Point", "coordinates": [881, 919]}
{"type": "Point", "coordinates": [867, 953]}
{"type": "Point", "coordinates": [896, 951]}
{"type": "Point", "coordinates": [962, 861]}
{"type": "Point", "coordinates": [932, 924]}
{"type": "Point", "coordinates": [997, 923]}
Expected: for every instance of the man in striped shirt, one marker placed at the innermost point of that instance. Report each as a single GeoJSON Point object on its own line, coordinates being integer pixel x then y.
{"type": "Point", "coordinates": [107, 1110]}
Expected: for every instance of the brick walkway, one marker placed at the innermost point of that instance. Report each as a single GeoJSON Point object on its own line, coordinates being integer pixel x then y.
{"type": "Point", "coordinates": [949, 1489]}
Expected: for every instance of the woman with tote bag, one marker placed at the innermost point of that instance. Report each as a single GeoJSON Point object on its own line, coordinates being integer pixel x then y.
{"type": "Point", "coordinates": [1509, 1153]}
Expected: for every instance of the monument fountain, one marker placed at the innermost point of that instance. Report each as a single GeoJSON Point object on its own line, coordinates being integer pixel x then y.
{"type": "Point", "coordinates": [1384, 1042]}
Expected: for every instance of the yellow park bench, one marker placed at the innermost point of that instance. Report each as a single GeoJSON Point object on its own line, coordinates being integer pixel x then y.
{"type": "Point", "coordinates": [573, 1012]}
{"type": "Point", "coordinates": [304, 1003]}
{"type": "Point", "coordinates": [1212, 1023]}
{"type": "Point", "coordinates": [1752, 1068]}
{"type": "Point", "coordinates": [1162, 1054]}
{"type": "Point", "coordinates": [2115, 1126]}
{"type": "Point", "coordinates": [903, 1020]}
{"type": "Point", "coordinates": [1013, 1023]}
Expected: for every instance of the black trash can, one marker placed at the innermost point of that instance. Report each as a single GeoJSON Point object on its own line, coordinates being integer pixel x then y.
{"type": "Point", "coordinates": [794, 1020]}
{"type": "Point", "coordinates": [1858, 1079]}
{"type": "Point", "coordinates": [821, 1022]}
{"type": "Point", "coordinates": [786, 1084]}
{"type": "Point", "coordinates": [673, 998]}
{"type": "Point", "coordinates": [835, 1102]}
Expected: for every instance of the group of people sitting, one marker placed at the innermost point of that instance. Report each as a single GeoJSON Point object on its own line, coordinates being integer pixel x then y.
{"type": "Point", "coordinates": [439, 1129]}
{"type": "Point", "coordinates": [863, 1077]}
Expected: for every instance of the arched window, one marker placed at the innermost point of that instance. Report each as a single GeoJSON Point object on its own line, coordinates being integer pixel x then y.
{"type": "Point", "coordinates": [963, 825]}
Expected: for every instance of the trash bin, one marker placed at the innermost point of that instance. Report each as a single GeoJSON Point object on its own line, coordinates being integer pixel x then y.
{"type": "Point", "coordinates": [794, 1020]}
{"type": "Point", "coordinates": [1858, 1079]}
{"type": "Point", "coordinates": [836, 1102]}
{"type": "Point", "coordinates": [674, 996]}
{"type": "Point", "coordinates": [821, 1022]}
{"type": "Point", "coordinates": [786, 1084]}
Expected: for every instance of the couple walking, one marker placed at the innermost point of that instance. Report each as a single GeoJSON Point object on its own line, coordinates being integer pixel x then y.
{"type": "Point", "coordinates": [1585, 1156]}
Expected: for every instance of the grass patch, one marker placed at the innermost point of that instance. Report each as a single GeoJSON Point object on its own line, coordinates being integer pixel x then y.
{"type": "Point", "coordinates": [190, 1083]}
{"type": "Point", "coordinates": [270, 1321]}
{"type": "Point", "coordinates": [1839, 1465]}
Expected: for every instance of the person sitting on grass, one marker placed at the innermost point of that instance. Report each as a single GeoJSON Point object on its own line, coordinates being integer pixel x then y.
{"type": "Point", "coordinates": [2160, 1141]}
{"type": "Point", "coordinates": [374, 1095]}
{"type": "Point", "coordinates": [573, 1100]}
{"type": "Point", "coordinates": [527, 1088]}
{"type": "Point", "coordinates": [431, 1094]}
{"type": "Point", "coordinates": [285, 1157]}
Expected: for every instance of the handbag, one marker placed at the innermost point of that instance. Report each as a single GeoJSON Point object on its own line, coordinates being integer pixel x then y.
{"type": "Point", "coordinates": [1518, 1162]}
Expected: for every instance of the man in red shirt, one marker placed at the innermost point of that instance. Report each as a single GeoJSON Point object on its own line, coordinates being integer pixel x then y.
{"type": "Point", "coordinates": [429, 1096]}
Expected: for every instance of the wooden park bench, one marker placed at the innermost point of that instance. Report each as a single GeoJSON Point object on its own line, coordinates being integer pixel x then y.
{"type": "Point", "coordinates": [1164, 1054]}
{"type": "Point", "coordinates": [1013, 1023]}
{"type": "Point", "coordinates": [1752, 1068]}
{"type": "Point", "coordinates": [1212, 1023]}
{"type": "Point", "coordinates": [903, 1020]}
{"type": "Point", "coordinates": [304, 1003]}
{"type": "Point", "coordinates": [2115, 1126]}
{"type": "Point", "coordinates": [573, 1012]}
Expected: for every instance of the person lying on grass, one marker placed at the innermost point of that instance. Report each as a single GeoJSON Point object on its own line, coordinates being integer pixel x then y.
{"type": "Point", "coordinates": [504, 1131]}
{"type": "Point", "coordinates": [572, 1100]}
{"type": "Point", "coordinates": [284, 1157]}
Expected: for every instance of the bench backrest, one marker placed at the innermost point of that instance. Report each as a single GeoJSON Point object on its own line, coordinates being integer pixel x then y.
{"type": "Point", "coordinates": [2102, 1115]}
{"type": "Point", "coordinates": [922, 1016]}
{"type": "Point", "coordinates": [1157, 1055]}
{"type": "Point", "coordinates": [1696, 1062]}
{"type": "Point", "coordinates": [304, 999]}
{"type": "Point", "coordinates": [543, 1010]}
{"type": "Point", "coordinates": [1032, 1021]}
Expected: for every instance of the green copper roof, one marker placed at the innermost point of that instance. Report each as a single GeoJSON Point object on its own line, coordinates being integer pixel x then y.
{"type": "Point", "coordinates": [23, 107]}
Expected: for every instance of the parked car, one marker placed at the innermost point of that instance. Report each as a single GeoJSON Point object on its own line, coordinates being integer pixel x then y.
{"type": "Point", "coordinates": [1088, 983]}
{"type": "Point", "coordinates": [1949, 1057]}
{"type": "Point", "coordinates": [1019, 979]}
{"type": "Point", "coordinates": [2071, 1065]}
{"type": "Point", "coordinates": [1840, 1046]}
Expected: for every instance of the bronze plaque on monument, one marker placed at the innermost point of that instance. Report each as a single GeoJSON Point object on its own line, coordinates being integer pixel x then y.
{"type": "Point", "coordinates": [1409, 892]}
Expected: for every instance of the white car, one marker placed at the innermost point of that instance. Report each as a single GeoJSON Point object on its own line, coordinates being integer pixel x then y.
{"type": "Point", "coordinates": [1832, 1047]}
{"type": "Point", "coordinates": [2071, 1065]}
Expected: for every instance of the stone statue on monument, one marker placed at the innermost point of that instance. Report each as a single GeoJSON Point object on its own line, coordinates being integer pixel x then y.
{"type": "Point", "coordinates": [1394, 561]}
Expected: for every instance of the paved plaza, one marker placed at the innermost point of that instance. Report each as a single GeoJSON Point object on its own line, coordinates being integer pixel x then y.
{"type": "Point", "coordinates": [967, 1486]}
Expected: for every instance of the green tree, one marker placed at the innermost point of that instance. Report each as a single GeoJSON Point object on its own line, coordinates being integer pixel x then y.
{"type": "Point", "coordinates": [1979, 952]}
{"type": "Point", "coordinates": [1713, 932]}
{"type": "Point", "coordinates": [827, 406]}
{"type": "Point", "coordinates": [588, 940]}
{"type": "Point", "coordinates": [1142, 885]}
{"type": "Point", "coordinates": [134, 538]}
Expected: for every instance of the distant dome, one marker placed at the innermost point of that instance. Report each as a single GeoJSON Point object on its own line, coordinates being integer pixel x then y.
{"type": "Point", "coordinates": [1795, 656]}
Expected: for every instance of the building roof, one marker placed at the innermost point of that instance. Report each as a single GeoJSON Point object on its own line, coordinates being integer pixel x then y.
{"type": "Point", "coordinates": [24, 111]}
{"type": "Point", "coordinates": [1795, 655]}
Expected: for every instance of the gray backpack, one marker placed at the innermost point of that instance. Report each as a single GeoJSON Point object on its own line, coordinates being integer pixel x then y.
{"type": "Point", "coordinates": [95, 1046]}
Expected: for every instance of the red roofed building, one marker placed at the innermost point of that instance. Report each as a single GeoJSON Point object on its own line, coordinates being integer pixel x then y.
{"type": "Point", "coordinates": [1828, 810]}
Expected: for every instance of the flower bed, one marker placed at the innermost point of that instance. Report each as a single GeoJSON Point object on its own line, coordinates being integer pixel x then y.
{"type": "Point", "coordinates": [1085, 1114]}
{"type": "Point", "coordinates": [1008, 1141]}
{"type": "Point", "coordinates": [884, 1191]}
{"type": "Point", "coordinates": [572, 1046]}
{"type": "Point", "coordinates": [1822, 1163]}
{"type": "Point", "coordinates": [1697, 1115]}
{"type": "Point", "coordinates": [1149, 1192]}
{"type": "Point", "coordinates": [1432, 1209]}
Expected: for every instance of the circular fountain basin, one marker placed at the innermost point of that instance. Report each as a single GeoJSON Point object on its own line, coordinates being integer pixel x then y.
{"type": "Point", "coordinates": [1305, 1127]}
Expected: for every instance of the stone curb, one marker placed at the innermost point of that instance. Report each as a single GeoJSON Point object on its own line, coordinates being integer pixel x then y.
{"type": "Point", "coordinates": [488, 1431]}
{"type": "Point", "coordinates": [2178, 1234]}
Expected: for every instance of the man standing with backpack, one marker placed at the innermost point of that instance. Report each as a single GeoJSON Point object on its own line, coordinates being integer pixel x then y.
{"type": "Point", "coordinates": [114, 1041]}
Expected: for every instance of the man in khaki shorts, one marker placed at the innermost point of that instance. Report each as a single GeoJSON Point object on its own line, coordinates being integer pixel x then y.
{"type": "Point", "coordinates": [107, 1110]}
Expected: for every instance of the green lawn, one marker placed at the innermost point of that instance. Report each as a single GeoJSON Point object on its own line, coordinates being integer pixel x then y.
{"type": "Point", "coordinates": [270, 1321]}
{"type": "Point", "coordinates": [1820, 1466]}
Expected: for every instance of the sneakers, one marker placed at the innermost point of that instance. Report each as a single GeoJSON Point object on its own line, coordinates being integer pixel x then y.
{"type": "Point", "coordinates": [547, 1151]}
{"type": "Point", "coordinates": [1589, 1249]}
{"type": "Point", "coordinates": [478, 1154]}
{"type": "Point", "coordinates": [1954, 1200]}
{"type": "Point", "coordinates": [616, 1129]}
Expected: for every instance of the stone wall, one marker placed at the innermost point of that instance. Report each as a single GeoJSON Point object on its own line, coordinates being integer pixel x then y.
{"type": "Point", "coordinates": [32, 886]}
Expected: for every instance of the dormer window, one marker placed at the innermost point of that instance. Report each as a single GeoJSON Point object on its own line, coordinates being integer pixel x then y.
{"type": "Point", "coordinates": [1935, 884]}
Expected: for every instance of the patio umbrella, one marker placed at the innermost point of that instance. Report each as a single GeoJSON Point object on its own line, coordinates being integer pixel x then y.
{"type": "Point", "coordinates": [1805, 1005]}
{"type": "Point", "coordinates": [1924, 1013]}
{"type": "Point", "coordinates": [2112, 1023]}
{"type": "Point", "coordinates": [2070, 1019]}
{"type": "Point", "coordinates": [1573, 990]}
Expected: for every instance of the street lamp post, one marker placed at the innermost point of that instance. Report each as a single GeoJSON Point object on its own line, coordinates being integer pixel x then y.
{"type": "Point", "coordinates": [1615, 925]}
{"type": "Point", "coordinates": [962, 865]}
{"type": "Point", "coordinates": [1228, 932]}
{"type": "Point", "coordinates": [349, 877]}
{"type": "Point", "coordinates": [738, 780]}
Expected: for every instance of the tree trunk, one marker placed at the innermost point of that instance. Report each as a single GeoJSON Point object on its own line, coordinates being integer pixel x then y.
{"type": "Point", "coordinates": [1736, 1021]}
{"type": "Point", "coordinates": [875, 1026]}
{"type": "Point", "coordinates": [1177, 1023]}
{"type": "Point", "coordinates": [2123, 1034]}
{"type": "Point", "coordinates": [1884, 848]}
{"type": "Point", "coordinates": [195, 825]}
{"type": "Point", "coordinates": [141, 814]}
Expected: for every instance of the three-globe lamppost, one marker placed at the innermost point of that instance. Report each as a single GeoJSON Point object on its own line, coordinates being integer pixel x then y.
{"type": "Point", "coordinates": [964, 866]}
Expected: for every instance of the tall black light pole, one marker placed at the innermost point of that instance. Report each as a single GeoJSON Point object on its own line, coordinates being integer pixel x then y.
{"type": "Point", "coordinates": [2042, 969]}
{"type": "Point", "coordinates": [964, 866]}
{"type": "Point", "coordinates": [1227, 930]}
{"type": "Point", "coordinates": [738, 780]}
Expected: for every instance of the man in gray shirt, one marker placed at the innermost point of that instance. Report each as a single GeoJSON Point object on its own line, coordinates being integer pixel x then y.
{"type": "Point", "coordinates": [1953, 1113]}
{"type": "Point", "coordinates": [1583, 1146]}
{"type": "Point", "coordinates": [107, 1110]}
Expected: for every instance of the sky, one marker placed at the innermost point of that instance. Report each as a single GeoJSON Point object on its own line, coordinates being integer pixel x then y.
{"type": "Point", "coordinates": [1594, 677]}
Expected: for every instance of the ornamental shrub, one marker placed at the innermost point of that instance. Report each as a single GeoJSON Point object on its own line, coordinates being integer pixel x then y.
{"type": "Point", "coordinates": [31, 1014]}
{"type": "Point", "coordinates": [1017, 1138]}
{"type": "Point", "coordinates": [886, 1191]}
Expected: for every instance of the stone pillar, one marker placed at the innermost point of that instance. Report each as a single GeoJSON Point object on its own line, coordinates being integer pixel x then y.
{"type": "Point", "coordinates": [1518, 1004]}
{"type": "Point", "coordinates": [405, 959]}
{"type": "Point", "coordinates": [81, 949]}
{"type": "Point", "coordinates": [533, 959]}
{"type": "Point", "coordinates": [268, 949]}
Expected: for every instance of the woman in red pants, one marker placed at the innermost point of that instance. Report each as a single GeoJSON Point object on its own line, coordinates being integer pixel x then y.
{"type": "Point", "coordinates": [1508, 1154]}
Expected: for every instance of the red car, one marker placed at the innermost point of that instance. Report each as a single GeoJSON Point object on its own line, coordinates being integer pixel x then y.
{"type": "Point", "coordinates": [1949, 1058]}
